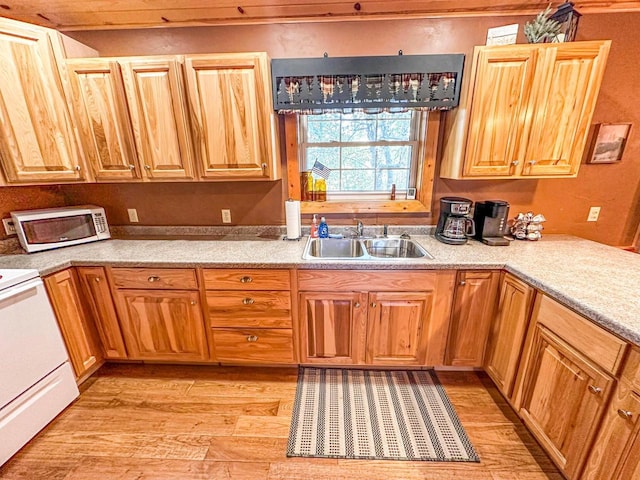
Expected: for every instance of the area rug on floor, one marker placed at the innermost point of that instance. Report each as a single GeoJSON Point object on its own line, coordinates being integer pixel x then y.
{"type": "Point", "coordinates": [374, 414]}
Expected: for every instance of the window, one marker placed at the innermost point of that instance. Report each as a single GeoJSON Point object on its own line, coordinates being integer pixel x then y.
{"type": "Point", "coordinates": [367, 153]}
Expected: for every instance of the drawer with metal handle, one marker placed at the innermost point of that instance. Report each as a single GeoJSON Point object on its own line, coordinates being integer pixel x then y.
{"type": "Point", "coordinates": [246, 279]}
{"type": "Point", "coordinates": [240, 345]}
{"type": "Point", "coordinates": [155, 278]}
{"type": "Point", "coordinates": [231, 308]}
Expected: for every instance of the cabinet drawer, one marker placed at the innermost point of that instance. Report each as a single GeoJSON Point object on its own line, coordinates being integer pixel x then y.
{"type": "Point", "coordinates": [631, 370]}
{"type": "Point", "coordinates": [230, 308]}
{"type": "Point", "coordinates": [591, 340]}
{"type": "Point", "coordinates": [155, 278]}
{"type": "Point", "coordinates": [253, 345]}
{"type": "Point", "coordinates": [246, 279]}
{"type": "Point", "coordinates": [387, 280]}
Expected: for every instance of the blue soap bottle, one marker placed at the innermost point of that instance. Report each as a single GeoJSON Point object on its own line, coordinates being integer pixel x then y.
{"type": "Point", "coordinates": [323, 229]}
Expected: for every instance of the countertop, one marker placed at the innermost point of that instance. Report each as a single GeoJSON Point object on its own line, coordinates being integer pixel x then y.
{"type": "Point", "coordinates": [598, 281]}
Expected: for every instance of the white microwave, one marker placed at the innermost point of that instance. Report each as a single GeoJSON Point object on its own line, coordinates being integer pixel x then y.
{"type": "Point", "coordinates": [60, 227]}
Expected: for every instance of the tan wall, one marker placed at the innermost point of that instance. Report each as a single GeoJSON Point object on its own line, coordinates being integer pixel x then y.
{"type": "Point", "coordinates": [565, 203]}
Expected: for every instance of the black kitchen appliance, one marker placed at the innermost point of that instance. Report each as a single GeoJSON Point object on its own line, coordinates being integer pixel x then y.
{"type": "Point", "coordinates": [490, 218]}
{"type": "Point", "coordinates": [454, 223]}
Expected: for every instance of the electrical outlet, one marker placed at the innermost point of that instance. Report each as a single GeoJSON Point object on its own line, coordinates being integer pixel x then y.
{"type": "Point", "coordinates": [133, 215]}
{"type": "Point", "coordinates": [594, 213]}
{"type": "Point", "coordinates": [9, 226]}
{"type": "Point", "coordinates": [226, 215]}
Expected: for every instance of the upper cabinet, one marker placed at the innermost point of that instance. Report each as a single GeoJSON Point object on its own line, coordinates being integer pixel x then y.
{"type": "Point", "coordinates": [37, 137]}
{"type": "Point", "coordinates": [526, 111]}
{"type": "Point", "coordinates": [234, 124]}
{"type": "Point", "coordinates": [103, 118]}
{"type": "Point", "coordinates": [157, 102]}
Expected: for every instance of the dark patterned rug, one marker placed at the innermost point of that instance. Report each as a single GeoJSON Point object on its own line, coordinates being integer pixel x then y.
{"type": "Point", "coordinates": [376, 414]}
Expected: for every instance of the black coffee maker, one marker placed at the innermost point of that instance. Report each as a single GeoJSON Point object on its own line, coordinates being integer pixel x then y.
{"type": "Point", "coordinates": [491, 217]}
{"type": "Point", "coordinates": [454, 223]}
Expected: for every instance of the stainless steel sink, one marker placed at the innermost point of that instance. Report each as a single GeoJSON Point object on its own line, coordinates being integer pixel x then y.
{"type": "Point", "coordinates": [363, 249]}
{"type": "Point", "coordinates": [394, 248]}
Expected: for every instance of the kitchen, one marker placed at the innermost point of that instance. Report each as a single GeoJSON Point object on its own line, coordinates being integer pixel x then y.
{"type": "Point", "coordinates": [565, 202]}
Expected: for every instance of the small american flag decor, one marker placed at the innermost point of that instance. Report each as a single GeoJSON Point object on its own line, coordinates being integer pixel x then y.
{"type": "Point", "coordinates": [321, 170]}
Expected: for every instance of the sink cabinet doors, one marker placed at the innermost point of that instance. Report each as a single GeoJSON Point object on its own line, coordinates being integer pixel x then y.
{"type": "Point", "coordinates": [403, 322]}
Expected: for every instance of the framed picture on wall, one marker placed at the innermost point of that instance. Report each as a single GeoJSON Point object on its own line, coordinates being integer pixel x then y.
{"type": "Point", "coordinates": [608, 142]}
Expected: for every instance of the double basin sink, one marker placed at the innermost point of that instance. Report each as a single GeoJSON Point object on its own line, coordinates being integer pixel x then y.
{"type": "Point", "coordinates": [363, 249]}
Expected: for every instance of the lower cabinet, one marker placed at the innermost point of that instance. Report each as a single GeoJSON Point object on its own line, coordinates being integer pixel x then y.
{"type": "Point", "coordinates": [161, 321]}
{"type": "Point", "coordinates": [75, 322]}
{"type": "Point", "coordinates": [97, 294]}
{"type": "Point", "coordinates": [616, 451]}
{"type": "Point", "coordinates": [508, 330]}
{"type": "Point", "coordinates": [249, 315]}
{"type": "Point", "coordinates": [403, 322]}
{"type": "Point", "coordinates": [474, 304]}
{"type": "Point", "coordinates": [568, 378]}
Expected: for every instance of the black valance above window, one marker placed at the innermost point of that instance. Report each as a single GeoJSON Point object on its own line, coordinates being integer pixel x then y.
{"type": "Point", "coordinates": [430, 82]}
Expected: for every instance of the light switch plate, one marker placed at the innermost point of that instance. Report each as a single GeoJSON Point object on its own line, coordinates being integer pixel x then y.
{"type": "Point", "coordinates": [226, 215]}
{"type": "Point", "coordinates": [594, 213]}
{"type": "Point", "coordinates": [133, 215]}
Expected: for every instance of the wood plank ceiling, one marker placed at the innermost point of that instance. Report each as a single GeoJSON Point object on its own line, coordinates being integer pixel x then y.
{"type": "Point", "coordinates": [122, 14]}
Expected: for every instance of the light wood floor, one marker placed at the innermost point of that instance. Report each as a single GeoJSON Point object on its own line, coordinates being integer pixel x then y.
{"type": "Point", "coordinates": [187, 422]}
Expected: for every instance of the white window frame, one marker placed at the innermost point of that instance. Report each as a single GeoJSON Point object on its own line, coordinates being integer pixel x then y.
{"type": "Point", "coordinates": [417, 121]}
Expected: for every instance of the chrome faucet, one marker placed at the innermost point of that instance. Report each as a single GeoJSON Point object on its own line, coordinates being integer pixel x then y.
{"type": "Point", "coordinates": [358, 230]}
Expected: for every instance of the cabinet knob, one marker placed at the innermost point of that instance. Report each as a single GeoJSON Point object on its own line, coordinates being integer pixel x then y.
{"type": "Point", "coordinates": [147, 167]}
{"type": "Point", "coordinates": [153, 278]}
{"type": "Point", "coordinates": [374, 304]}
{"type": "Point", "coordinates": [264, 166]}
{"type": "Point", "coordinates": [626, 414]}
{"type": "Point", "coordinates": [98, 279]}
{"type": "Point", "coordinates": [462, 283]}
{"type": "Point", "coordinates": [78, 168]}
{"type": "Point", "coordinates": [132, 167]}
{"type": "Point", "coordinates": [252, 338]}
{"type": "Point", "coordinates": [246, 279]}
{"type": "Point", "coordinates": [515, 162]}
{"type": "Point", "coordinates": [595, 390]}
{"type": "Point", "coordinates": [193, 302]}
{"type": "Point", "coordinates": [247, 301]}
{"type": "Point", "coordinates": [357, 305]}
{"type": "Point", "coordinates": [532, 162]}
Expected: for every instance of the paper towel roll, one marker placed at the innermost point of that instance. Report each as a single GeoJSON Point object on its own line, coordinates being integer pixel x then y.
{"type": "Point", "coordinates": [292, 215]}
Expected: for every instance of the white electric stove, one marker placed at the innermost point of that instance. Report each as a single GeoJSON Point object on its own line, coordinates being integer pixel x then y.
{"type": "Point", "coordinates": [36, 379]}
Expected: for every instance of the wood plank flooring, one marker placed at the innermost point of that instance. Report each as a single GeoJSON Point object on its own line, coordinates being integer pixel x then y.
{"type": "Point", "coordinates": [170, 422]}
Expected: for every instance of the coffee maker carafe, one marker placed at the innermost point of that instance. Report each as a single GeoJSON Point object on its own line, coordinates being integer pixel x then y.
{"type": "Point", "coordinates": [454, 223]}
{"type": "Point", "coordinates": [491, 221]}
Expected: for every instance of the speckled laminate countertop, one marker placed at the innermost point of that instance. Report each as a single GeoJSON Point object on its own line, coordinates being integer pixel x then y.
{"type": "Point", "coordinates": [598, 281]}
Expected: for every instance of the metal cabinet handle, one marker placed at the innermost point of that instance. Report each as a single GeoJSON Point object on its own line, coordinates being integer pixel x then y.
{"type": "Point", "coordinates": [462, 283]}
{"type": "Point", "coordinates": [532, 162]}
{"type": "Point", "coordinates": [78, 168]}
{"type": "Point", "coordinates": [252, 338]}
{"type": "Point", "coordinates": [374, 305]}
{"type": "Point", "coordinates": [515, 162]}
{"type": "Point", "coordinates": [153, 278]}
{"type": "Point", "coordinates": [132, 167]}
{"type": "Point", "coordinates": [193, 302]}
{"type": "Point", "coordinates": [247, 301]}
{"type": "Point", "coordinates": [98, 279]}
{"type": "Point", "coordinates": [626, 414]}
{"type": "Point", "coordinates": [264, 166]}
{"type": "Point", "coordinates": [147, 167]}
{"type": "Point", "coordinates": [357, 305]}
{"type": "Point", "coordinates": [595, 390]}
{"type": "Point", "coordinates": [246, 279]}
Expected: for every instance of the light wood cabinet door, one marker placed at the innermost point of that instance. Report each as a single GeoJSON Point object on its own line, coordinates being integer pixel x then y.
{"type": "Point", "coordinates": [97, 293]}
{"type": "Point", "coordinates": [613, 451]}
{"type": "Point", "coordinates": [163, 325]}
{"type": "Point", "coordinates": [84, 351]}
{"type": "Point", "coordinates": [234, 124]}
{"type": "Point", "coordinates": [157, 105]}
{"type": "Point", "coordinates": [567, 86]}
{"type": "Point", "coordinates": [398, 327]}
{"type": "Point", "coordinates": [564, 398]}
{"type": "Point", "coordinates": [503, 80]}
{"type": "Point", "coordinates": [37, 139]}
{"type": "Point", "coordinates": [508, 331]}
{"type": "Point", "coordinates": [473, 310]}
{"type": "Point", "coordinates": [102, 115]}
{"type": "Point", "coordinates": [332, 327]}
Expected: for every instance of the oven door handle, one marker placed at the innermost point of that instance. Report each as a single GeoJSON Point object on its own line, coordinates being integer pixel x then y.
{"type": "Point", "coordinates": [17, 290]}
